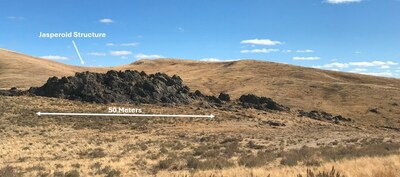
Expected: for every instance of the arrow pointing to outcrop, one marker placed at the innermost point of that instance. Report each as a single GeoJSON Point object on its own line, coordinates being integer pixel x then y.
{"type": "Point", "coordinates": [124, 115]}
{"type": "Point", "coordinates": [77, 51]}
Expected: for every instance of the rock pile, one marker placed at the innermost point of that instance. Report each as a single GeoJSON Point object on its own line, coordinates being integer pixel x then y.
{"type": "Point", "coordinates": [136, 87]}
{"type": "Point", "coordinates": [117, 87]}
{"type": "Point", "coordinates": [322, 116]}
{"type": "Point", "coordinates": [273, 123]}
{"type": "Point", "coordinates": [261, 103]}
{"type": "Point", "coordinates": [12, 92]}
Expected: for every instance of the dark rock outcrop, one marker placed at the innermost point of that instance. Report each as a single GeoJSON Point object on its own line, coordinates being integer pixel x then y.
{"type": "Point", "coordinates": [118, 87]}
{"type": "Point", "coordinates": [13, 92]}
{"type": "Point", "coordinates": [261, 103]}
{"type": "Point", "coordinates": [198, 94]}
{"type": "Point", "coordinates": [224, 97]}
{"type": "Point", "coordinates": [136, 87]}
{"type": "Point", "coordinates": [213, 99]}
{"type": "Point", "coordinates": [322, 116]}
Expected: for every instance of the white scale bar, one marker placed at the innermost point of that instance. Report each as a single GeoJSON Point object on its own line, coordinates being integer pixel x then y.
{"type": "Point", "coordinates": [123, 115]}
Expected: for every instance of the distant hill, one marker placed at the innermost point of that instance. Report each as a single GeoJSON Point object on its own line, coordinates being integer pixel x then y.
{"type": "Point", "coordinates": [23, 71]}
{"type": "Point", "coordinates": [366, 99]}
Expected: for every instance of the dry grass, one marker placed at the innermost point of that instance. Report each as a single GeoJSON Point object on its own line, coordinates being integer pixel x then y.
{"type": "Point", "coordinates": [236, 142]}
{"type": "Point", "coordinates": [361, 167]}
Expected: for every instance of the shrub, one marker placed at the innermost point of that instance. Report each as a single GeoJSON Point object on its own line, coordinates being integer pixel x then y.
{"type": "Point", "coordinates": [251, 161]}
{"type": "Point", "coordinates": [292, 157]}
{"type": "Point", "coordinates": [76, 165]}
{"type": "Point", "coordinates": [72, 173]}
{"type": "Point", "coordinates": [332, 173]}
{"type": "Point", "coordinates": [95, 153]}
{"type": "Point", "coordinates": [9, 171]}
{"type": "Point", "coordinates": [163, 150]}
{"type": "Point", "coordinates": [253, 145]}
{"type": "Point", "coordinates": [211, 163]}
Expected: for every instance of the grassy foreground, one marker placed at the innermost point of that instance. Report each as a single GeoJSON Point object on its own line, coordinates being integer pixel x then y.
{"type": "Point", "coordinates": [236, 143]}
{"type": "Point", "coordinates": [361, 167]}
{"type": "Point", "coordinates": [388, 166]}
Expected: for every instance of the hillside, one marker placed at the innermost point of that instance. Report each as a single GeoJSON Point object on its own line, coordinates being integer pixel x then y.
{"type": "Point", "coordinates": [351, 95]}
{"type": "Point", "coordinates": [23, 71]}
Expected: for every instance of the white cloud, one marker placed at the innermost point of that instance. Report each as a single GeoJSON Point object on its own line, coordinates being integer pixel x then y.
{"type": "Point", "coordinates": [287, 51]}
{"type": "Point", "coordinates": [97, 54]}
{"type": "Point", "coordinates": [373, 63]}
{"type": "Point", "coordinates": [336, 65]}
{"type": "Point", "coordinates": [130, 44]}
{"type": "Point", "coordinates": [341, 1]}
{"type": "Point", "coordinates": [110, 44]}
{"type": "Point", "coordinates": [216, 60]}
{"type": "Point", "coordinates": [124, 57]}
{"type": "Point", "coordinates": [381, 64]}
{"type": "Point", "coordinates": [260, 51]}
{"type": "Point", "coordinates": [144, 56]}
{"type": "Point", "coordinates": [106, 21]}
{"type": "Point", "coordinates": [15, 18]}
{"type": "Point", "coordinates": [358, 70]}
{"type": "Point", "coordinates": [305, 51]}
{"type": "Point", "coordinates": [120, 53]}
{"type": "Point", "coordinates": [361, 67]}
{"type": "Point", "coordinates": [384, 74]}
{"type": "Point", "coordinates": [54, 57]}
{"type": "Point", "coordinates": [211, 59]}
{"type": "Point", "coordinates": [306, 58]}
{"type": "Point", "coordinates": [261, 42]}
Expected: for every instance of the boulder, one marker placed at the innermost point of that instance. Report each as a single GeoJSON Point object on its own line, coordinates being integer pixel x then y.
{"type": "Point", "coordinates": [224, 97]}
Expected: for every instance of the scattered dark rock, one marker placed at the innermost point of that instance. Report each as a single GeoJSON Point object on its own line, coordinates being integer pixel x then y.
{"type": "Point", "coordinates": [117, 87]}
{"type": "Point", "coordinates": [213, 99]}
{"type": "Point", "coordinates": [230, 140]}
{"type": "Point", "coordinates": [391, 128]}
{"type": "Point", "coordinates": [322, 116]}
{"type": "Point", "coordinates": [253, 145]}
{"type": "Point", "coordinates": [13, 92]}
{"type": "Point", "coordinates": [373, 110]}
{"type": "Point", "coordinates": [261, 103]}
{"type": "Point", "coordinates": [224, 97]}
{"type": "Point", "coordinates": [274, 123]}
{"type": "Point", "coordinates": [205, 105]}
{"type": "Point", "coordinates": [198, 94]}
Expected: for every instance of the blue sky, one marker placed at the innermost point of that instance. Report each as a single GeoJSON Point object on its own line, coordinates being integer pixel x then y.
{"type": "Point", "coordinates": [359, 36]}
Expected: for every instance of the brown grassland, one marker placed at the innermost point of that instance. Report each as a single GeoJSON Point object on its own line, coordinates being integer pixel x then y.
{"type": "Point", "coordinates": [237, 142]}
